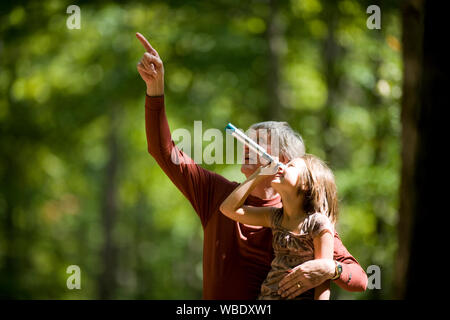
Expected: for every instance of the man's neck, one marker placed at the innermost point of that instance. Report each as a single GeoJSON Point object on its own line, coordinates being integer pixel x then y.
{"type": "Point", "coordinates": [264, 191]}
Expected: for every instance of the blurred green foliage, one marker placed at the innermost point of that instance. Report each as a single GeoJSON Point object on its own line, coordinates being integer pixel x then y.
{"type": "Point", "coordinates": [72, 113]}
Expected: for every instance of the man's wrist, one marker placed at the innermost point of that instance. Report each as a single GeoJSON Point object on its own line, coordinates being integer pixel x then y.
{"type": "Point", "coordinates": [155, 91]}
{"type": "Point", "coordinates": [154, 94]}
{"type": "Point", "coordinates": [337, 270]}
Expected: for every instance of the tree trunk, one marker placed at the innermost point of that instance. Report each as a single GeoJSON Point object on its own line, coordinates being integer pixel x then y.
{"type": "Point", "coordinates": [107, 280]}
{"type": "Point", "coordinates": [422, 200]}
{"type": "Point", "coordinates": [331, 55]}
{"type": "Point", "coordinates": [274, 42]}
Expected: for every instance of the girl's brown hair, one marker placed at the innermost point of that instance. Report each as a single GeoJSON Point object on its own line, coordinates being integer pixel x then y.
{"type": "Point", "coordinates": [318, 186]}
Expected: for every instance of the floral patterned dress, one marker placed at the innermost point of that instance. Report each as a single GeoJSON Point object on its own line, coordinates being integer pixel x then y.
{"type": "Point", "coordinates": [291, 250]}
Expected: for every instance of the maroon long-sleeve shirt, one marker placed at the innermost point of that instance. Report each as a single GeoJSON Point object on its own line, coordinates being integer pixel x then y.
{"type": "Point", "coordinates": [236, 258]}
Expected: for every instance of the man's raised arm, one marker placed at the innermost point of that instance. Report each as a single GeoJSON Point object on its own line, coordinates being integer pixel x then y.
{"type": "Point", "coordinates": [204, 189]}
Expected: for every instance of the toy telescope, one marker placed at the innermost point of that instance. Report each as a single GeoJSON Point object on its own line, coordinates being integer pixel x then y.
{"type": "Point", "coordinates": [252, 145]}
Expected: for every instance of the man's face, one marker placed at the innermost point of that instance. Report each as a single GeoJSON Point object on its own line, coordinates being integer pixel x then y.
{"type": "Point", "coordinates": [251, 160]}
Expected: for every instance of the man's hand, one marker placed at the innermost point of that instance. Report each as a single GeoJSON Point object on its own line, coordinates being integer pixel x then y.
{"type": "Point", "coordinates": [151, 68]}
{"type": "Point", "coordinates": [308, 275]}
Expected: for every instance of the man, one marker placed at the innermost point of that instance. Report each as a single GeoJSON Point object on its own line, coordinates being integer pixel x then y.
{"type": "Point", "coordinates": [236, 257]}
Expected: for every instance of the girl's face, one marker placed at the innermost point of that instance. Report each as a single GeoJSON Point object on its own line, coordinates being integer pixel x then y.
{"type": "Point", "coordinates": [287, 179]}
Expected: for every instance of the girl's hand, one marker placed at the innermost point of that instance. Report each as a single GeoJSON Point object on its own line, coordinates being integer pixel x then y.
{"type": "Point", "coordinates": [151, 69]}
{"type": "Point", "coordinates": [270, 169]}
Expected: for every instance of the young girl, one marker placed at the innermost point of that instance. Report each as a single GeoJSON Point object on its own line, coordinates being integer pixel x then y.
{"type": "Point", "coordinates": [303, 229]}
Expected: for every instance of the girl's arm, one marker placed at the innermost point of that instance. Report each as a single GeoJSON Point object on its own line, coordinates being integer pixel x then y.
{"type": "Point", "coordinates": [233, 206]}
{"type": "Point", "coordinates": [323, 249]}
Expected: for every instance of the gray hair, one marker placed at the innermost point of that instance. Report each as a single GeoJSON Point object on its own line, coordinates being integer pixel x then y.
{"type": "Point", "coordinates": [290, 142]}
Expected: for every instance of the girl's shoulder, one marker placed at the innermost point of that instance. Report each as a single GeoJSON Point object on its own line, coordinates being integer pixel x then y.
{"type": "Point", "coordinates": [316, 223]}
{"type": "Point", "coordinates": [277, 217]}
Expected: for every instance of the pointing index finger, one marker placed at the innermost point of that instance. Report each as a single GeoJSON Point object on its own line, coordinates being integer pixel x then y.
{"type": "Point", "coordinates": [146, 44]}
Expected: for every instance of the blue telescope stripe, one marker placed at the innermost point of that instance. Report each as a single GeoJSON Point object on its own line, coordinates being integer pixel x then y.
{"type": "Point", "coordinates": [230, 127]}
